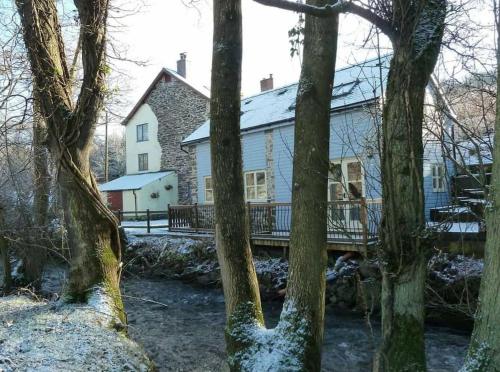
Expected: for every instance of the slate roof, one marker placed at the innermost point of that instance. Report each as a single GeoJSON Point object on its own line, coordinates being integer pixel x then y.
{"type": "Point", "coordinates": [164, 71]}
{"type": "Point", "coordinates": [133, 181]}
{"type": "Point", "coordinates": [354, 85]}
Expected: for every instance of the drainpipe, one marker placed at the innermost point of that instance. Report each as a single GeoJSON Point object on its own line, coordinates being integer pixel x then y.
{"type": "Point", "coordinates": [135, 203]}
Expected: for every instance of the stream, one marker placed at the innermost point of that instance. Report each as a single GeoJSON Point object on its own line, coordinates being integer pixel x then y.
{"type": "Point", "coordinates": [182, 329]}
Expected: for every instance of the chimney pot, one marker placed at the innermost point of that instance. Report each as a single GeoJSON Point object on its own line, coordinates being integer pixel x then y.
{"type": "Point", "coordinates": [182, 65]}
{"type": "Point", "coordinates": [267, 83]}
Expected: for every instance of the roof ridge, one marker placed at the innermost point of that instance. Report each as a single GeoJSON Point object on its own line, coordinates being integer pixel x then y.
{"type": "Point", "coordinates": [363, 63]}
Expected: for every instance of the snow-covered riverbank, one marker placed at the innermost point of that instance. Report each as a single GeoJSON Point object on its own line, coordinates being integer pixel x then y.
{"type": "Point", "coordinates": [53, 336]}
{"type": "Point", "coordinates": [352, 283]}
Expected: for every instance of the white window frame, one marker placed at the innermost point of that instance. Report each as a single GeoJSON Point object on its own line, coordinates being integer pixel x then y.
{"type": "Point", "coordinates": [205, 189]}
{"type": "Point", "coordinates": [143, 138]}
{"type": "Point", "coordinates": [139, 162]}
{"type": "Point", "coordinates": [254, 186]}
{"type": "Point", "coordinates": [436, 177]}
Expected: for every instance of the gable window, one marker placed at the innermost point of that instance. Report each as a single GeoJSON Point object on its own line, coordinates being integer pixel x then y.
{"type": "Point", "coordinates": [143, 162]}
{"type": "Point", "coordinates": [256, 186]}
{"type": "Point", "coordinates": [438, 178]}
{"type": "Point", "coordinates": [142, 132]}
{"type": "Point", "coordinates": [209, 190]}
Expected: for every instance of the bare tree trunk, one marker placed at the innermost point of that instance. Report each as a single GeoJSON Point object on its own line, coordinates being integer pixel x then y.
{"type": "Point", "coordinates": [4, 253]}
{"type": "Point", "coordinates": [298, 338]}
{"type": "Point", "coordinates": [308, 258]}
{"type": "Point", "coordinates": [241, 290]}
{"type": "Point", "coordinates": [93, 232]}
{"type": "Point", "coordinates": [404, 248]}
{"type": "Point", "coordinates": [35, 255]}
{"type": "Point", "coordinates": [484, 349]}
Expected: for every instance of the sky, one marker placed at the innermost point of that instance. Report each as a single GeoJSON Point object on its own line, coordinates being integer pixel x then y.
{"type": "Point", "coordinates": [164, 28]}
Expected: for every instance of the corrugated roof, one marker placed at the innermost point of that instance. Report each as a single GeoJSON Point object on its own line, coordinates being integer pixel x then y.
{"type": "Point", "coordinates": [353, 84]}
{"type": "Point", "coordinates": [133, 181]}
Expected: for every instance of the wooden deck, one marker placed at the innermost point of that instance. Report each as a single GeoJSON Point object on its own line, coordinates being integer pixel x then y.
{"type": "Point", "coordinates": [352, 225]}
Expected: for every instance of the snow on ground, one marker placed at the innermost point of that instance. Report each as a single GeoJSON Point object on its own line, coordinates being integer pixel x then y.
{"type": "Point", "coordinates": [455, 227]}
{"type": "Point", "coordinates": [140, 227]}
{"type": "Point", "coordinates": [452, 269]}
{"type": "Point", "coordinates": [52, 336]}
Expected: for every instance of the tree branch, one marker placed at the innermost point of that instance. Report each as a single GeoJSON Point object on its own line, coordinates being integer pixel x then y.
{"type": "Point", "coordinates": [341, 6]}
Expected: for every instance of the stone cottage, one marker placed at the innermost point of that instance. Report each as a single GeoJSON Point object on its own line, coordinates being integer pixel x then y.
{"type": "Point", "coordinates": [169, 110]}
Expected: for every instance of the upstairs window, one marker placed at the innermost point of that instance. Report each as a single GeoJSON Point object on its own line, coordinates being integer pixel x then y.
{"type": "Point", "coordinates": [256, 186]}
{"type": "Point", "coordinates": [143, 162]}
{"type": "Point", "coordinates": [142, 132]}
{"type": "Point", "coordinates": [209, 190]}
{"type": "Point", "coordinates": [438, 178]}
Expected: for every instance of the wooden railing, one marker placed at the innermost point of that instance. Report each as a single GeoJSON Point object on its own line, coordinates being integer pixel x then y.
{"type": "Point", "coordinates": [355, 220]}
{"type": "Point", "coordinates": [148, 216]}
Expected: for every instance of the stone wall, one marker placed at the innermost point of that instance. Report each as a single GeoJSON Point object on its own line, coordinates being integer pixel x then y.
{"type": "Point", "coordinates": [180, 110]}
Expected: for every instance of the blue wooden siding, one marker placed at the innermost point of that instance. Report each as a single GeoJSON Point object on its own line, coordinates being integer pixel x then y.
{"type": "Point", "coordinates": [254, 151]}
{"type": "Point", "coordinates": [283, 163]}
{"type": "Point", "coordinates": [203, 168]}
{"type": "Point", "coordinates": [433, 154]}
{"type": "Point", "coordinates": [353, 134]}
{"type": "Point", "coordinates": [350, 134]}
{"type": "Point", "coordinates": [254, 158]}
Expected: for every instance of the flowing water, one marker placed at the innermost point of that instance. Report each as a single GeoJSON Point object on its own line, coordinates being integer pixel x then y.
{"type": "Point", "coordinates": [182, 329]}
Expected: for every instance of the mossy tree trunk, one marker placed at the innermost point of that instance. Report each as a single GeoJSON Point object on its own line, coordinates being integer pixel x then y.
{"type": "Point", "coordinates": [308, 257]}
{"type": "Point", "coordinates": [305, 297]}
{"type": "Point", "coordinates": [93, 234]}
{"type": "Point", "coordinates": [484, 349]}
{"type": "Point", "coordinates": [416, 46]}
{"type": "Point", "coordinates": [4, 254]}
{"type": "Point", "coordinates": [241, 290]}
{"type": "Point", "coordinates": [35, 254]}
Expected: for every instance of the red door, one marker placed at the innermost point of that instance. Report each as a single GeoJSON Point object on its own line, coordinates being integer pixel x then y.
{"type": "Point", "coordinates": [115, 200]}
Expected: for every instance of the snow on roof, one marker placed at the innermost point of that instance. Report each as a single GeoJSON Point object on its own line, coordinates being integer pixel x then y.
{"type": "Point", "coordinates": [133, 181]}
{"type": "Point", "coordinates": [201, 89]}
{"type": "Point", "coordinates": [353, 85]}
{"type": "Point", "coordinates": [476, 151]}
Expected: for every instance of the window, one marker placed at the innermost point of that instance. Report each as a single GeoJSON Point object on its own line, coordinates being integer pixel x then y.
{"type": "Point", "coordinates": [209, 190]}
{"type": "Point", "coordinates": [438, 178]}
{"type": "Point", "coordinates": [143, 162]}
{"type": "Point", "coordinates": [255, 186]}
{"type": "Point", "coordinates": [142, 132]}
{"type": "Point", "coordinates": [345, 89]}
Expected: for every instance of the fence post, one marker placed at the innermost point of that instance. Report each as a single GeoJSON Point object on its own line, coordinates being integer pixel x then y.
{"type": "Point", "coordinates": [169, 217]}
{"type": "Point", "coordinates": [149, 221]}
{"type": "Point", "coordinates": [364, 220]}
{"type": "Point", "coordinates": [196, 217]}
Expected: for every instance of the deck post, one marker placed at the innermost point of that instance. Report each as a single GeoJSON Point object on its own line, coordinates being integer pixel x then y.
{"type": "Point", "coordinates": [249, 219]}
{"type": "Point", "coordinates": [270, 218]}
{"type": "Point", "coordinates": [169, 217]}
{"type": "Point", "coordinates": [196, 217]}
{"type": "Point", "coordinates": [149, 221]}
{"type": "Point", "coordinates": [364, 220]}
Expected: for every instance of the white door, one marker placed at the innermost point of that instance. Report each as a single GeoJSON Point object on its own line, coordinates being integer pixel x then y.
{"type": "Point", "coordinates": [345, 184]}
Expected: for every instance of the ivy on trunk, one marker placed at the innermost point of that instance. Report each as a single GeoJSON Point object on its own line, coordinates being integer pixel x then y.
{"type": "Point", "coordinates": [92, 228]}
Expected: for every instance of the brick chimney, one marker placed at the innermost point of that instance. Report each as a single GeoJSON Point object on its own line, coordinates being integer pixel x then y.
{"type": "Point", "coordinates": [182, 65]}
{"type": "Point", "coordinates": [267, 83]}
